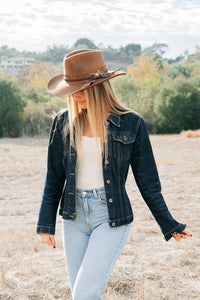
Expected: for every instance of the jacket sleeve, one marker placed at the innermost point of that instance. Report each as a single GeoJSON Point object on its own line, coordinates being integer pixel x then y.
{"type": "Point", "coordinates": [54, 182]}
{"type": "Point", "coordinates": [146, 176]}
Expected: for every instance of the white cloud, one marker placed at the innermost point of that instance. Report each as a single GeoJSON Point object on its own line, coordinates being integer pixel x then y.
{"type": "Point", "coordinates": [33, 25]}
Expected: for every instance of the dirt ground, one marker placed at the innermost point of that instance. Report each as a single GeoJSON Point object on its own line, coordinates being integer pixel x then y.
{"type": "Point", "coordinates": [149, 267]}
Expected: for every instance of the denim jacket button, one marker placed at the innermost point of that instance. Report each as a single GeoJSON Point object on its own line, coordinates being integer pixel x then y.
{"type": "Point", "coordinates": [107, 181]}
{"type": "Point", "coordinates": [113, 224]}
{"type": "Point", "coordinates": [110, 200]}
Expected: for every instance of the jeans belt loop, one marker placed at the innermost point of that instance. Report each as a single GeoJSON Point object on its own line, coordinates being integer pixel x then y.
{"type": "Point", "coordinates": [95, 193]}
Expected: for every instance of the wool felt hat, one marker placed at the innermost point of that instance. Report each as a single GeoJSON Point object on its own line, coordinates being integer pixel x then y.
{"type": "Point", "coordinates": [82, 69]}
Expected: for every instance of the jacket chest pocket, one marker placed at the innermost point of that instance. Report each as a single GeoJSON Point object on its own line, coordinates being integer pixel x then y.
{"type": "Point", "coordinates": [122, 145]}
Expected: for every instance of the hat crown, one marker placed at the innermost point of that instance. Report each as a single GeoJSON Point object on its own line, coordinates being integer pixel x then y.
{"type": "Point", "coordinates": [83, 68]}
{"type": "Point", "coordinates": [81, 63]}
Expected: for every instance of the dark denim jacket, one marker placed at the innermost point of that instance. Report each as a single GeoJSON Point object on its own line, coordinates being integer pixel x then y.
{"type": "Point", "coordinates": [128, 145]}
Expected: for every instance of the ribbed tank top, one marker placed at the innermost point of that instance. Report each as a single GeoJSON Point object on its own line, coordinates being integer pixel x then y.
{"type": "Point", "coordinates": [89, 172]}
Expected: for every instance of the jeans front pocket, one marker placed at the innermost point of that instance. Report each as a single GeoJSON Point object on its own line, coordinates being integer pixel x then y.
{"type": "Point", "coordinates": [102, 197]}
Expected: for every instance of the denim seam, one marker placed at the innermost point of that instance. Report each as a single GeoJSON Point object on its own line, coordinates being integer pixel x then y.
{"type": "Point", "coordinates": [125, 229]}
{"type": "Point", "coordinates": [138, 125]}
{"type": "Point", "coordinates": [127, 216]}
{"type": "Point", "coordinates": [171, 230]}
{"type": "Point", "coordinates": [45, 226]}
{"type": "Point", "coordinates": [119, 186]}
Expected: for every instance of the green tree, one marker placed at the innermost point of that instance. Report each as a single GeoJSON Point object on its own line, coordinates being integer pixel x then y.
{"type": "Point", "coordinates": [160, 48]}
{"type": "Point", "coordinates": [139, 96]}
{"type": "Point", "coordinates": [124, 87]}
{"type": "Point", "coordinates": [32, 94]}
{"type": "Point", "coordinates": [37, 116]}
{"type": "Point", "coordinates": [156, 56]}
{"type": "Point", "coordinates": [12, 107]}
{"type": "Point", "coordinates": [86, 42]}
{"type": "Point", "coordinates": [6, 52]}
{"type": "Point", "coordinates": [54, 54]}
{"type": "Point", "coordinates": [34, 118]}
{"type": "Point", "coordinates": [177, 107]}
{"type": "Point", "coordinates": [133, 50]}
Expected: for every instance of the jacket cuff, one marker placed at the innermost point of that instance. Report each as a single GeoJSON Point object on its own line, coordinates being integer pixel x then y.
{"type": "Point", "coordinates": [180, 227]}
{"type": "Point", "coordinates": [45, 229]}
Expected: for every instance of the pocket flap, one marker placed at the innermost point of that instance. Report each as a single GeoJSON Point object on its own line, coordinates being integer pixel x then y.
{"type": "Point", "coordinates": [124, 138]}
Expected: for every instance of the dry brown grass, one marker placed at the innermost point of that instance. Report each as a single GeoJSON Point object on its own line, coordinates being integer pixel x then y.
{"type": "Point", "coordinates": [190, 133]}
{"type": "Point", "coordinates": [148, 268]}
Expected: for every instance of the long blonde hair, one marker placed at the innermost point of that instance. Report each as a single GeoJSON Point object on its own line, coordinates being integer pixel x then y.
{"type": "Point", "coordinates": [100, 99]}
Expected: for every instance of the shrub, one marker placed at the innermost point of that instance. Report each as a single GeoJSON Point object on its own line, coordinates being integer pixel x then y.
{"type": "Point", "coordinates": [177, 107]}
{"type": "Point", "coordinates": [12, 107]}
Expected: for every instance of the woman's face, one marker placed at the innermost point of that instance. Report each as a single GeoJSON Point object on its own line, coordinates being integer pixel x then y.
{"type": "Point", "coordinates": [80, 97]}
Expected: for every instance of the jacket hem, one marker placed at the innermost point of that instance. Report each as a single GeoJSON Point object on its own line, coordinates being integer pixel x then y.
{"type": "Point", "coordinates": [119, 222]}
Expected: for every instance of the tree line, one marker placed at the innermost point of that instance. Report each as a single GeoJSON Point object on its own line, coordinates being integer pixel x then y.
{"type": "Point", "coordinates": [167, 95]}
{"type": "Point", "coordinates": [126, 53]}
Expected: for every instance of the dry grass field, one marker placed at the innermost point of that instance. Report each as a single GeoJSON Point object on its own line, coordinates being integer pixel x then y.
{"type": "Point", "coordinates": [149, 268]}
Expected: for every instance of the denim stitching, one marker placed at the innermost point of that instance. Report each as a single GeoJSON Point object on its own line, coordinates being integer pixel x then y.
{"type": "Point", "coordinates": [125, 229]}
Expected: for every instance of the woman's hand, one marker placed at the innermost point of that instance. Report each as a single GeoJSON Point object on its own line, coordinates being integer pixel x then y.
{"type": "Point", "coordinates": [182, 235]}
{"type": "Point", "coordinates": [48, 239]}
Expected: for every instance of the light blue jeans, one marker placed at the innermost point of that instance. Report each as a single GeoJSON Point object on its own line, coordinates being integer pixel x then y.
{"type": "Point", "coordinates": [91, 246]}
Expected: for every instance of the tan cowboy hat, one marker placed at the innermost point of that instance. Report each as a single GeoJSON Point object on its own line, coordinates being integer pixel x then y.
{"type": "Point", "coordinates": [82, 69]}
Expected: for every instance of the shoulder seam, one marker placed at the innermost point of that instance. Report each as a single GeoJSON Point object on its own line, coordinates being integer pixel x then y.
{"type": "Point", "coordinates": [138, 125]}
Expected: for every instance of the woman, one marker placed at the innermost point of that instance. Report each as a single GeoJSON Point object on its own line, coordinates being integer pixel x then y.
{"type": "Point", "coordinates": [91, 147]}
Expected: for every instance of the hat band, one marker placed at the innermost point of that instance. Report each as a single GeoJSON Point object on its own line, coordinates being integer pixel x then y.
{"type": "Point", "coordinates": [92, 76]}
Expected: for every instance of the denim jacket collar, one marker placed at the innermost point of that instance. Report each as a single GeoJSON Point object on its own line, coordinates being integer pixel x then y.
{"type": "Point", "coordinates": [115, 119]}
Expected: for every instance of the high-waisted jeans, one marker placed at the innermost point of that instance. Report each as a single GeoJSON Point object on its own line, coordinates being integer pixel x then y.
{"type": "Point", "coordinates": [91, 246]}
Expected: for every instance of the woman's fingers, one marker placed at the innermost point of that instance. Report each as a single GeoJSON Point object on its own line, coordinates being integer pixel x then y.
{"type": "Point", "coordinates": [186, 233]}
{"type": "Point", "coordinates": [182, 235]}
{"type": "Point", "coordinates": [176, 236]}
{"type": "Point", "coordinates": [48, 239]}
{"type": "Point", "coordinates": [52, 240]}
{"type": "Point", "coordinates": [44, 238]}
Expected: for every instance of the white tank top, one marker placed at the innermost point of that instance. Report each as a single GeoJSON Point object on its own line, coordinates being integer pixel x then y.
{"type": "Point", "coordinates": [89, 172]}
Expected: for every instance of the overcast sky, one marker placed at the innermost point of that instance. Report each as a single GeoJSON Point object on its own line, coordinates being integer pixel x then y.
{"type": "Point", "coordinates": [32, 25]}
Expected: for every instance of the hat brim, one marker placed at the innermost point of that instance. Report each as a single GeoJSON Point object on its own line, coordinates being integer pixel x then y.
{"type": "Point", "coordinates": [60, 87]}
